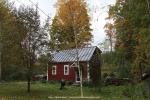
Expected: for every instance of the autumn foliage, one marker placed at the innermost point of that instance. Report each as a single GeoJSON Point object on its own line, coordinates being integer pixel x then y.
{"type": "Point", "coordinates": [71, 22]}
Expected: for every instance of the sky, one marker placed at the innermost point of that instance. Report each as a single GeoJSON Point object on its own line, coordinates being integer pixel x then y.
{"type": "Point", "coordinates": [97, 10]}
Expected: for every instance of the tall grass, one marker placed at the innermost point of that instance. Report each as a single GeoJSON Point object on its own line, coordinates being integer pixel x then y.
{"type": "Point", "coordinates": [41, 91]}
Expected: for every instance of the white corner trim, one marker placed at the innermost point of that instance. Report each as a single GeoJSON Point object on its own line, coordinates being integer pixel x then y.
{"type": "Point", "coordinates": [88, 72]}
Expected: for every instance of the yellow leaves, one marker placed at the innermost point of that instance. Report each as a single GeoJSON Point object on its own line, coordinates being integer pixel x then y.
{"type": "Point", "coordinates": [73, 18]}
{"type": "Point", "coordinates": [140, 37]}
{"type": "Point", "coordinates": [72, 10]}
{"type": "Point", "coordinates": [109, 26]}
{"type": "Point", "coordinates": [121, 45]}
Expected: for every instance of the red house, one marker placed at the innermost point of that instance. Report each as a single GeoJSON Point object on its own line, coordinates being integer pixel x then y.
{"type": "Point", "coordinates": [63, 64]}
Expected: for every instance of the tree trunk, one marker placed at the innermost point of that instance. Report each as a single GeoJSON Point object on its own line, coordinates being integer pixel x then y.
{"type": "Point", "coordinates": [28, 72]}
{"type": "Point", "coordinates": [0, 68]}
{"type": "Point", "coordinates": [29, 61]}
{"type": "Point", "coordinates": [111, 48]}
{"type": "Point", "coordinates": [0, 54]}
{"type": "Point", "coordinates": [29, 80]}
{"type": "Point", "coordinates": [140, 67]}
{"type": "Point", "coordinates": [0, 63]}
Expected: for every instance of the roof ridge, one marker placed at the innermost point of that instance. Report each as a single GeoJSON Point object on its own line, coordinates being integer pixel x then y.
{"type": "Point", "coordinates": [77, 48]}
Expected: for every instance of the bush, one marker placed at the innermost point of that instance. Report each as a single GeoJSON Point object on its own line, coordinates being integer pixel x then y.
{"type": "Point", "coordinates": [116, 81]}
{"type": "Point", "coordinates": [128, 91]}
{"type": "Point", "coordinates": [136, 91]}
{"type": "Point", "coordinates": [124, 70]}
{"type": "Point", "coordinates": [69, 82]}
{"type": "Point", "coordinates": [105, 75]}
{"type": "Point", "coordinates": [112, 75]}
{"type": "Point", "coordinates": [87, 83]}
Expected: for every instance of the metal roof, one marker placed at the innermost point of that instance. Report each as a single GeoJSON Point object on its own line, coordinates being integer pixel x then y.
{"type": "Point", "coordinates": [70, 55]}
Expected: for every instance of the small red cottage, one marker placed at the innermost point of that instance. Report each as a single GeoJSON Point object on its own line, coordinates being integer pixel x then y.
{"type": "Point", "coordinates": [63, 64]}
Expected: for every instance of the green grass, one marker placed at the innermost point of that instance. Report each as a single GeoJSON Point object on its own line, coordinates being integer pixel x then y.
{"type": "Point", "coordinates": [41, 91]}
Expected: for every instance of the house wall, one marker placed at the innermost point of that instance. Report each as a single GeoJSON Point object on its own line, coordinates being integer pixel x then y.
{"type": "Point", "coordinates": [72, 72]}
{"type": "Point", "coordinates": [95, 67]}
{"type": "Point", "coordinates": [84, 70]}
{"type": "Point", "coordinates": [60, 73]}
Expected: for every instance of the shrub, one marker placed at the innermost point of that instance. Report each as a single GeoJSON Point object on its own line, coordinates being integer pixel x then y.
{"type": "Point", "coordinates": [69, 82]}
{"type": "Point", "coordinates": [87, 83]}
{"type": "Point", "coordinates": [105, 75]}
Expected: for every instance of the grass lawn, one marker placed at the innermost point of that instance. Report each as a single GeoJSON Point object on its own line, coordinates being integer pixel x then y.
{"type": "Point", "coordinates": [41, 91]}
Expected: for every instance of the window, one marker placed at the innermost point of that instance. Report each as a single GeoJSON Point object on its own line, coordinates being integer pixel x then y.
{"type": "Point", "coordinates": [66, 69]}
{"type": "Point", "coordinates": [53, 70]}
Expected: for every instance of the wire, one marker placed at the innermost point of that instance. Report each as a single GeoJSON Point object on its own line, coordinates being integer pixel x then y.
{"type": "Point", "coordinates": [39, 8]}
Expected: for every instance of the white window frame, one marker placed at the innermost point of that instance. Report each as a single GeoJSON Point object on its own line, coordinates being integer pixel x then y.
{"type": "Point", "coordinates": [66, 73]}
{"type": "Point", "coordinates": [54, 72]}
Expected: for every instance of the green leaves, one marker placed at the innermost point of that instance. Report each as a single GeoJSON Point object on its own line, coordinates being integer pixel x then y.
{"type": "Point", "coordinates": [131, 22]}
{"type": "Point", "coordinates": [21, 38]}
{"type": "Point", "coordinates": [10, 39]}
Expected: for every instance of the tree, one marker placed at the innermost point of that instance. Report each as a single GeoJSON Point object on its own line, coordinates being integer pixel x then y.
{"type": "Point", "coordinates": [110, 33]}
{"type": "Point", "coordinates": [10, 46]}
{"type": "Point", "coordinates": [18, 55]}
{"type": "Point", "coordinates": [35, 37]}
{"type": "Point", "coordinates": [71, 20]}
{"type": "Point", "coordinates": [132, 34]}
{"type": "Point", "coordinates": [41, 64]}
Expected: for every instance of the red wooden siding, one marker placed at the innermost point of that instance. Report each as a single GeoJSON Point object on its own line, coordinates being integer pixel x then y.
{"type": "Point", "coordinates": [60, 73]}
